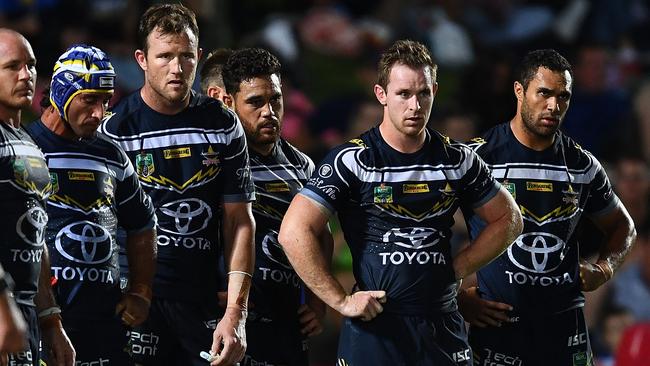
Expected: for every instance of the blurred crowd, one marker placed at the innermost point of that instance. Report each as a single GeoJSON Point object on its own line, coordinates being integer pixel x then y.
{"type": "Point", "coordinates": [329, 51]}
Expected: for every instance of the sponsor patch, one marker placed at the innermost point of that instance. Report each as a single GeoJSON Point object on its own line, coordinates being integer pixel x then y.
{"type": "Point", "coordinates": [510, 187]}
{"type": "Point", "coordinates": [211, 157]}
{"type": "Point", "coordinates": [54, 180]}
{"type": "Point", "coordinates": [416, 188]}
{"type": "Point", "coordinates": [144, 164]}
{"type": "Point", "coordinates": [106, 82]}
{"type": "Point", "coordinates": [85, 176]}
{"type": "Point", "coordinates": [325, 171]}
{"type": "Point", "coordinates": [581, 359]}
{"type": "Point", "coordinates": [383, 194]}
{"type": "Point", "coordinates": [181, 152]}
{"type": "Point", "coordinates": [539, 187]}
{"type": "Point", "coordinates": [277, 187]}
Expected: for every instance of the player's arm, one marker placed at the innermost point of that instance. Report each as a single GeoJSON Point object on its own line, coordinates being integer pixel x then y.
{"type": "Point", "coordinates": [620, 234]}
{"type": "Point", "coordinates": [141, 253]}
{"type": "Point", "coordinates": [302, 226]}
{"type": "Point", "coordinates": [55, 341]}
{"type": "Point", "coordinates": [503, 225]}
{"type": "Point", "coordinates": [313, 311]}
{"type": "Point", "coordinates": [229, 339]}
{"type": "Point", "coordinates": [12, 324]}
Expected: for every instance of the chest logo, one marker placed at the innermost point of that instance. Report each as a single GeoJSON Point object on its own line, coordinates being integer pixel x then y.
{"type": "Point", "coordinates": [144, 164]}
{"type": "Point", "coordinates": [83, 176]}
{"type": "Point", "coordinates": [416, 188]}
{"type": "Point", "coordinates": [54, 180]}
{"type": "Point", "coordinates": [182, 152]}
{"type": "Point", "coordinates": [211, 157]}
{"type": "Point", "coordinates": [510, 187]}
{"type": "Point", "coordinates": [539, 186]}
{"type": "Point", "coordinates": [383, 194]}
{"type": "Point", "coordinates": [277, 187]}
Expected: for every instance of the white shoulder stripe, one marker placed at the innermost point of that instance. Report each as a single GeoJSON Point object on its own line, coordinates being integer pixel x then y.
{"type": "Point", "coordinates": [546, 174]}
{"type": "Point", "coordinates": [194, 138]}
{"type": "Point", "coordinates": [350, 158]}
{"type": "Point", "coordinates": [87, 164]}
{"type": "Point", "coordinates": [20, 148]}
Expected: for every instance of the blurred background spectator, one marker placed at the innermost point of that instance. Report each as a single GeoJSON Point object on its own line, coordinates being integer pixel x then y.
{"type": "Point", "coordinates": [329, 50]}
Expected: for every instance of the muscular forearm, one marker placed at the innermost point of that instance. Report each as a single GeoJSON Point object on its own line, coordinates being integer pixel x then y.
{"type": "Point", "coordinates": [618, 244]}
{"type": "Point", "coordinates": [141, 251]}
{"type": "Point", "coordinates": [44, 297]}
{"type": "Point", "coordinates": [491, 242]}
{"type": "Point", "coordinates": [238, 234]}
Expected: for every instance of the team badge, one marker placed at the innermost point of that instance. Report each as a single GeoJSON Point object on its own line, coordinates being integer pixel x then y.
{"type": "Point", "coordinates": [211, 157]}
{"type": "Point", "coordinates": [20, 171]}
{"type": "Point", "coordinates": [144, 164]}
{"type": "Point", "coordinates": [54, 180]}
{"type": "Point", "coordinates": [383, 194]}
{"type": "Point", "coordinates": [447, 191]}
{"type": "Point", "coordinates": [510, 187]}
{"type": "Point", "coordinates": [108, 187]}
{"type": "Point", "coordinates": [570, 196]}
{"type": "Point", "coordinates": [581, 359]}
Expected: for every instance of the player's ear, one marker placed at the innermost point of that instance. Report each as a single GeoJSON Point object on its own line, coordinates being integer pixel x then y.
{"type": "Point", "coordinates": [519, 91]}
{"type": "Point", "coordinates": [380, 93]}
{"type": "Point", "coordinates": [141, 59]}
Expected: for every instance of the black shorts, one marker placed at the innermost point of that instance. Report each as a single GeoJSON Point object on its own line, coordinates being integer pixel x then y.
{"type": "Point", "coordinates": [31, 355]}
{"type": "Point", "coordinates": [98, 342]}
{"type": "Point", "coordinates": [558, 339]}
{"type": "Point", "coordinates": [174, 334]}
{"type": "Point", "coordinates": [275, 344]}
{"type": "Point", "coordinates": [391, 339]}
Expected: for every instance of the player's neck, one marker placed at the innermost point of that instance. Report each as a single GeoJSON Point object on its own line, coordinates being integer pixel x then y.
{"type": "Point", "coordinates": [53, 121]}
{"type": "Point", "coordinates": [159, 104]}
{"type": "Point", "coordinates": [406, 144]}
{"type": "Point", "coordinates": [528, 138]}
{"type": "Point", "coordinates": [11, 116]}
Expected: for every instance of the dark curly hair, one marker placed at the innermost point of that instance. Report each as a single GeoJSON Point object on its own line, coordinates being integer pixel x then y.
{"type": "Point", "coordinates": [169, 19]}
{"type": "Point", "coordinates": [547, 58]}
{"type": "Point", "coordinates": [246, 64]}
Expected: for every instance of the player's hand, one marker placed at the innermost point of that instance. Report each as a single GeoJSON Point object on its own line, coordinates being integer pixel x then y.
{"type": "Point", "coordinates": [480, 312]}
{"type": "Point", "coordinates": [229, 339]}
{"type": "Point", "coordinates": [310, 324]}
{"type": "Point", "coordinates": [591, 276]}
{"type": "Point", "coordinates": [57, 346]}
{"type": "Point", "coordinates": [365, 305]}
{"type": "Point", "coordinates": [132, 309]}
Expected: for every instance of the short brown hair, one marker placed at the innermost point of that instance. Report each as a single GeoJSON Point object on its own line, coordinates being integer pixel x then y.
{"type": "Point", "coordinates": [406, 52]}
{"type": "Point", "coordinates": [169, 19]}
{"type": "Point", "coordinates": [211, 72]}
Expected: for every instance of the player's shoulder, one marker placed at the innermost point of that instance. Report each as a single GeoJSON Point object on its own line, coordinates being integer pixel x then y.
{"type": "Point", "coordinates": [111, 149]}
{"type": "Point", "coordinates": [494, 138]}
{"type": "Point", "coordinates": [126, 109]}
{"type": "Point", "coordinates": [294, 155]}
{"type": "Point", "coordinates": [211, 109]}
{"type": "Point", "coordinates": [576, 156]}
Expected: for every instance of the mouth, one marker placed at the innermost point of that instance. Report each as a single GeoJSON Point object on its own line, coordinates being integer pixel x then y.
{"type": "Point", "coordinates": [176, 83]}
{"type": "Point", "coordinates": [269, 127]}
{"type": "Point", "coordinates": [550, 120]}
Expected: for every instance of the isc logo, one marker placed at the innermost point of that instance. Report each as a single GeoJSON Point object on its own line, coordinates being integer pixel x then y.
{"type": "Point", "coordinates": [577, 339]}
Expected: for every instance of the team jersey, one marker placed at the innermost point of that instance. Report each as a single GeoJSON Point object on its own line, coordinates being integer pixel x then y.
{"type": "Point", "coordinates": [94, 188]}
{"type": "Point", "coordinates": [24, 186]}
{"type": "Point", "coordinates": [396, 212]}
{"type": "Point", "coordinates": [277, 178]}
{"type": "Point", "coordinates": [539, 272]}
{"type": "Point", "coordinates": [189, 163]}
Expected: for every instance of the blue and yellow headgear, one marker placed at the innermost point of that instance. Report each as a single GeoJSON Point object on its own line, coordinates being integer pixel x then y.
{"type": "Point", "coordinates": [80, 68]}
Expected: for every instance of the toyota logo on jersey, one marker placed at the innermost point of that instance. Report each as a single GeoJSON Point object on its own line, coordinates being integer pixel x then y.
{"type": "Point", "coordinates": [31, 226]}
{"type": "Point", "coordinates": [189, 216]}
{"type": "Point", "coordinates": [271, 247]}
{"type": "Point", "coordinates": [537, 252]}
{"type": "Point", "coordinates": [84, 242]}
{"type": "Point", "coordinates": [412, 237]}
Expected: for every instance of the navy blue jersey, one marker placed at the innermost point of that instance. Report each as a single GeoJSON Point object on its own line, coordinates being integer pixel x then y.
{"type": "Point", "coordinates": [189, 163]}
{"type": "Point", "coordinates": [277, 178]}
{"type": "Point", "coordinates": [396, 211]}
{"type": "Point", "coordinates": [539, 272]}
{"type": "Point", "coordinates": [94, 188]}
{"type": "Point", "coordinates": [24, 186]}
